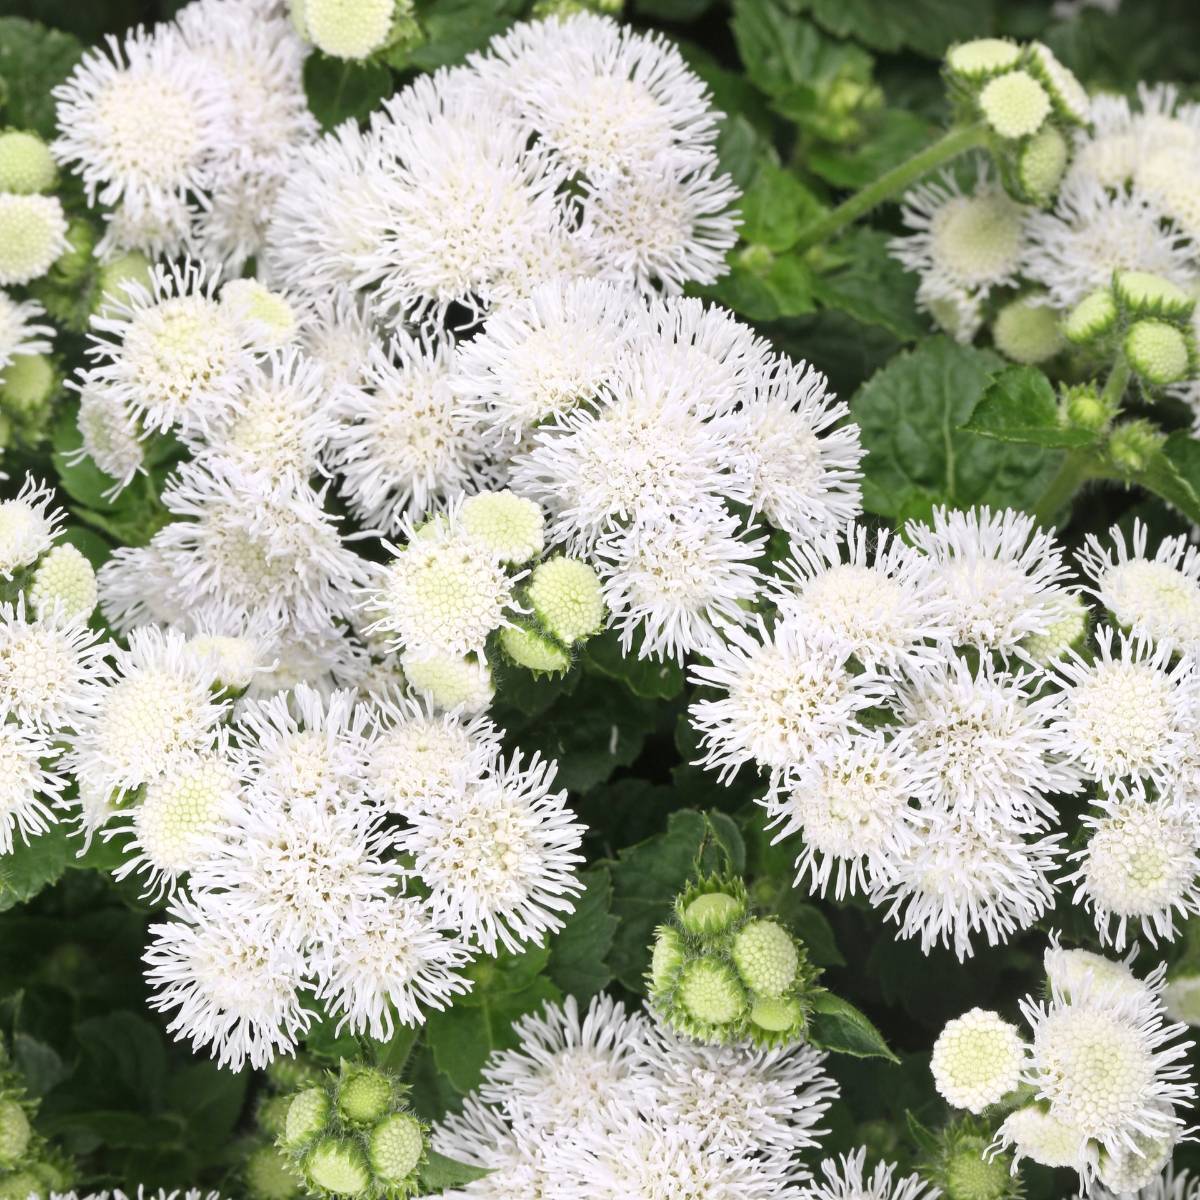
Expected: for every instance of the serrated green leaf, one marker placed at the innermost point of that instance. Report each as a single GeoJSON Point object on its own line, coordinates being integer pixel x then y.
{"type": "Point", "coordinates": [503, 973]}
{"type": "Point", "coordinates": [649, 678]}
{"type": "Point", "coordinates": [869, 285]}
{"type": "Point", "coordinates": [1163, 477]}
{"type": "Point", "coordinates": [776, 207]}
{"type": "Point", "coordinates": [579, 952]}
{"type": "Point", "coordinates": [32, 866]}
{"type": "Point", "coordinates": [1019, 405]}
{"type": "Point", "coordinates": [781, 286]}
{"type": "Point", "coordinates": [452, 29]}
{"type": "Point", "coordinates": [837, 1025]}
{"type": "Point", "coordinates": [925, 25]}
{"type": "Point", "coordinates": [339, 91]}
{"type": "Point", "coordinates": [911, 415]}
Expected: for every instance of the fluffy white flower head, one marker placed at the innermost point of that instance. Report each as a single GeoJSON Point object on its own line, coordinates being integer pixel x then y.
{"type": "Point", "coordinates": [977, 1060]}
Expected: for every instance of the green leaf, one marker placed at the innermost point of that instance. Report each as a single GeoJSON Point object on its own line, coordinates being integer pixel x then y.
{"type": "Point", "coordinates": [1163, 476]}
{"type": "Point", "coordinates": [34, 865]}
{"type": "Point", "coordinates": [886, 138]}
{"type": "Point", "coordinates": [578, 953]}
{"type": "Point", "coordinates": [925, 25]}
{"type": "Point", "coordinates": [33, 60]}
{"type": "Point", "coordinates": [911, 415]}
{"type": "Point", "coordinates": [41, 1066]}
{"type": "Point", "coordinates": [646, 677]}
{"type": "Point", "coordinates": [1019, 405]}
{"type": "Point", "coordinates": [776, 207]}
{"type": "Point", "coordinates": [837, 1025]}
{"type": "Point", "coordinates": [462, 1037]}
{"type": "Point", "coordinates": [122, 1129]}
{"type": "Point", "coordinates": [338, 90]}
{"type": "Point", "coordinates": [870, 285]}
{"type": "Point", "coordinates": [763, 287]}
{"type": "Point", "coordinates": [503, 973]}
{"type": "Point", "coordinates": [453, 29]}
{"type": "Point", "coordinates": [126, 1051]}
{"type": "Point", "coordinates": [440, 1172]}
{"type": "Point", "coordinates": [210, 1100]}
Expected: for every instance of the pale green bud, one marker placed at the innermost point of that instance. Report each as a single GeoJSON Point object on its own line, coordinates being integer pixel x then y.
{"type": "Point", "coordinates": [272, 1115]}
{"type": "Point", "coordinates": [711, 993]}
{"type": "Point", "coordinates": [508, 524]}
{"type": "Point", "coordinates": [1066, 632]}
{"type": "Point", "coordinates": [451, 682]}
{"type": "Point", "coordinates": [15, 1133]}
{"type": "Point", "coordinates": [1147, 295]}
{"type": "Point", "coordinates": [1015, 105]}
{"type": "Point", "coordinates": [970, 1172]}
{"type": "Point", "coordinates": [1093, 317]}
{"type": "Point", "coordinates": [306, 1116]}
{"type": "Point", "coordinates": [1132, 445]}
{"type": "Point", "coordinates": [666, 958]}
{"type": "Point", "coordinates": [766, 957]}
{"type": "Point", "coordinates": [1158, 352]}
{"type": "Point", "coordinates": [26, 164]}
{"type": "Point", "coordinates": [269, 1176]}
{"type": "Point", "coordinates": [347, 30]}
{"type": "Point", "coordinates": [76, 260]}
{"type": "Point", "coordinates": [395, 1148]}
{"type": "Point", "coordinates": [33, 233]}
{"type": "Point", "coordinates": [251, 301]}
{"type": "Point", "coordinates": [711, 912]}
{"type": "Point", "coordinates": [364, 1095]}
{"type": "Point", "coordinates": [1042, 163]}
{"type": "Point", "coordinates": [1027, 332]}
{"type": "Point", "coordinates": [777, 1016]}
{"type": "Point", "coordinates": [337, 1166]}
{"type": "Point", "coordinates": [566, 597]}
{"type": "Point", "coordinates": [63, 578]}
{"type": "Point", "coordinates": [21, 1185]}
{"type": "Point", "coordinates": [27, 383]}
{"type": "Point", "coordinates": [982, 57]}
{"type": "Point", "coordinates": [128, 268]}
{"type": "Point", "coordinates": [527, 648]}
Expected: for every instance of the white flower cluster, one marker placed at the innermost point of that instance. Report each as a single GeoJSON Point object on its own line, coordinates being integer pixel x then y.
{"type": "Point", "coordinates": [609, 1104]}
{"type": "Point", "coordinates": [20, 332]}
{"type": "Point", "coordinates": [1127, 204]}
{"type": "Point", "coordinates": [919, 708]}
{"type": "Point", "coordinates": [1105, 1072]}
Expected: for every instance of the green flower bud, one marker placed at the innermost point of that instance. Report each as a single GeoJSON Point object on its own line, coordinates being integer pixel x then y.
{"type": "Point", "coordinates": [1015, 105]}
{"type": "Point", "coordinates": [1068, 95]}
{"type": "Point", "coordinates": [965, 1169]}
{"type": "Point", "coordinates": [450, 682]}
{"type": "Point", "coordinates": [27, 384]}
{"type": "Point", "coordinates": [26, 164]}
{"type": "Point", "coordinates": [756, 258]}
{"type": "Point", "coordinates": [269, 1176]}
{"type": "Point", "coordinates": [1132, 445]}
{"type": "Point", "coordinates": [351, 31]}
{"type": "Point", "coordinates": [272, 1115]}
{"type": "Point", "coordinates": [666, 958]}
{"type": "Point", "coordinates": [1083, 408]}
{"type": "Point", "coordinates": [364, 1095]}
{"type": "Point", "coordinates": [63, 578]}
{"type": "Point", "coordinates": [1093, 317]}
{"type": "Point", "coordinates": [306, 1116]}
{"type": "Point", "coordinates": [126, 269]}
{"type": "Point", "coordinates": [76, 260]}
{"type": "Point", "coordinates": [711, 993]}
{"type": "Point", "coordinates": [529, 649]}
{"type": "Point", "coordinates": [508, 524]}
{"type": "Point", "coordinates": [1027, 332]}
{"type": "Point", "coordinates": [1181, 997]}
{"type": "Point", "coordinates": [396, 1147]}
{"type": "Point", "coordinates": [337, 1166]}
{"type": "Point", "coordinates": [21, 1185]}
{"type": "Point", "coordinates": [767, 958]}
{"type": "Point", "coordinates": [1041, 164]}
{"type": "Point", "coordinates": [981, 58]}
{"type": "Point", "coordinates": [711, 905]}
{"type": "Point", "coordinates": [566, 598]}
{"type": "Point", "coordinates": [15, 1133]}
{"type": "Point", "coordinates": [1067, 632]}
{"type": "Point", "coordinates": [1147, 295]}
{"type": "Point", "coordinates": [775, 1016]}
{"type": "Point", "coordinates": [1158, 352]}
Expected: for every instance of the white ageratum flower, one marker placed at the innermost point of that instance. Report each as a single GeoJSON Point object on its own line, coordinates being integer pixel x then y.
{"type": "Point", "coordinates": [977, 1060]}
{"type": "Point", "coordinates": [407, 441]}
{"type": "Point", "coordinates": [673, 583]}
{"type": "Point", "coordinates": [1128, 715]}
{"type": "Point", "coordinates": [473, 214]}
{"type": "Point", "coordinates": [788, 698]}
{"type": "Point", "coordinates": [396, 964]}
{"type": "Point", "coordinates": [19, 331]}
{"type": "Point", "coordinates": [28, 785]}
{"type": "Point", "coordinates": [963, 881]}
{"type": "Point", "coordinates": [499, 859]}
{"type": "Point", "coordinates": [868, 589]}
{"type": "Point", "coordinates": [275, 315]}
{"type": "Point", "coordinates": [1156, 596]}
{"type": "Point", "coordinates": [641, 448]}
{"type": "Point", "coordinates": [29, 523]}
{"type": "Point", "coordinates": [668, 224]}
{"type": "Point", "coordinates": [172, 356]}
{"type": "Point", "coordinates": [1034, 1133]}
{"type": "Point", "coordinates": [1108, 1066]}
{"type": "Point", "coordinates": [846, 1179]}
{"type": "Point", "coordinates": [443, 593]}
{"type": "Point", "coordinates": [110, 436]}
{"type": "Point", "coordinates": [419, 759]}
{"type": "Point", "coordinates": [539, 357]}
{"type": "Point", "coordinates": [568, 1068]}
{"type": "Point", "coordinates": [986, 743]}
{"type": "Point", "coordinates": [743, 1099]}
{"type": "Point", "coordinates": [852, 811]}
{"type": "Point", "coordinates": [178, 812]}
{"type": "Point", "coordinates": [999, 575]}
{"type": "Point", "coordinates": [791, 446]}
{"type": "Point", "coordinates": [140, 122]}
{"type": "Point", "coordinates": [33, 234]}
{"type": "Point", "coordinates": [1141, 867]}
{"type": "Point", "coordinates": [231, 984]}
{"type": "Point", "coordinates": [1093, 232]}
{"type": "Point", "coordinates": [605, 98]}
{"type": "Point", "coordinates": [1081, 971]}
{"type": "Point", "coordinates": [963, 245]}
{"type": "Point", "coordinates": [51, 667]}
{"type": "Point", "coordinates": [158, 706]}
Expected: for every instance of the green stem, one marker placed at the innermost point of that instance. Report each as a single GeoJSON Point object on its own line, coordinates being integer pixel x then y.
{"type": "Point", "coordinates": [954, 142]}
{"type": "Point", "coordinates": [1115, 385]}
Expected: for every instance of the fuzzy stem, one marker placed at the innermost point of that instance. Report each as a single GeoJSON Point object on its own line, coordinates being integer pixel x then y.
{"type": "Point", "coordinates": [957, 140]}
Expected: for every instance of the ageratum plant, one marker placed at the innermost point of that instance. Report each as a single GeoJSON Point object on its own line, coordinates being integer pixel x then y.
{"type": "Point", "coordinates": [599, 604]}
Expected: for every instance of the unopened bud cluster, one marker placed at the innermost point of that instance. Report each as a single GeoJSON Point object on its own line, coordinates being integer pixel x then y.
{"type": "Point", "coordinates": [963, 1165]}
{"type": "Point", "coordinates": [720, 973]}
{"type": "Point", "coordinates": [352, 1134]}
{"type": "Point", "coordinates": [29, 1165]}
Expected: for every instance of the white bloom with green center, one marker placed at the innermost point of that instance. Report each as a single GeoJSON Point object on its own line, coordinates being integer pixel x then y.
{"type": "Point", "coordinates": [999, 575]}
{"type": "Point", "coordinates": [1080, 972]}
{"type": "Point", "coordinates": [788, 697]}
{"type": "Point", "coordinates": [1129, 714]}
{"type": "Point", "coordinates": [1140, 867]}
{"type": "Point", "coordinates": [1155, 595]}
{"type": "Point", "coordinates": [978, 1059]}
{"type": "Point", "coordinates": [1015, 104]}
{"type": "Point", "coordinates": [33, 233]}
{"type": "Point", "coordinates": [28, 526]}
{"type": "Point", "coordinates": [500, 860]}
{"type": "Point", "coordinates": [64, 581]}
{"type": "Point", "coordinates": [28, 785]}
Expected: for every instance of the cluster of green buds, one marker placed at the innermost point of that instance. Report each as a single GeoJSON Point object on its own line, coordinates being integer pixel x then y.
{"type": "Point", "coordinates": [720, 973]}
{"type": "Point", "coordinates": [1029, 103]}
{"type": "Point", "coordinates": [357, 31]}
{"type": "Point", "coordinates": [1146, 318]}
{"type": "Point", "coordinates": [960, 1162]}
{"type": "Point", "coordinates": [266, 1172]}
{"type": "Point", "coordinates": [565, 607]}
{"type": "Point", "coordinates": [29, 1165]}
{"type": "Point", "coordinates": [352, 1134]}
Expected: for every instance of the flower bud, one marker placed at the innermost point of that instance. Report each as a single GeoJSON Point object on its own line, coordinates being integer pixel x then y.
{"type": "Point", "coordinates": [982, 58]}
{"type": "Point", "coordinates": [566, 598]}
{"type": "Point", "coordinates": [1158, 352]}
{"type": "Point", "coordinates": [711, 993]}
{"type": "Point", "coordinates": [1027, 332]}
{"type": "Point", "coordinates": [1093, 317]}
{"type": "Point", "coordinates": [507, 524]}
{"type": "Point", "coordinates": [1145, 295]}
{"type": "Point", "coordinates": [766, 957]}
{"type": "Point", "coordinates": [364, 1095]}
{"type": "Point", "coordinates": [977, 1060]}
{"type": "Point", "coordinates": [1015, 104]}
{"type": "Point", "coordinates": [306, 1117]}
{"type": "Point", "coordinates": [128, 268]}
{"type": "Point", "coordinates": [338, 1166]}
{"type": "Point", "coordinates": [63, 578]}
{"type": "Point", "coordinates": [1041, 164]}
{"type": "Point", "coordinates": [267, 1175]}
{"type": "Point", "coordinates": [529, 649]}
{"type": "Point", "coordinates": [26, 164]}
{"type": "Point", "coordinates": [15, 1132]}
{"type": "Point", "coordinates": [268, 311]}
{"type": "Point", "coordinates": [352, 31]}
{"type": "Point", "coordinates": [395, 1149]}
{"type": "Point", "coordinates": [450, 682]}
{"type": "Point", "coordinates": [1133, 444]}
